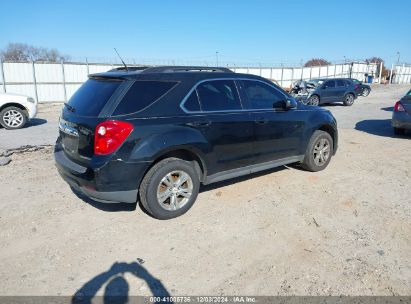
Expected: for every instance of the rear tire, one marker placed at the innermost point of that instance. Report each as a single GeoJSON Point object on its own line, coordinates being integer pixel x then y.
{"type": "Point", "coordinates": [163, 194]}
{"type": "Point", "coordinates": [349, 100]}
{"type": "Point", "coordinates": [366, 92]}
{"type": "Point", "coordinates": [399, 131]}
{"type": "Point", "coordinates": [319, 151]}
{"type": "Point", "coordinates": [13, 118]}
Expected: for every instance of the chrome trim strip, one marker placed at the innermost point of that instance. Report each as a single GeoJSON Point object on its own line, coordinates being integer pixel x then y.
{"type": "Point", "coordinates": [68, 130]}
{"type": "Point", "coordinates": [225, 111]}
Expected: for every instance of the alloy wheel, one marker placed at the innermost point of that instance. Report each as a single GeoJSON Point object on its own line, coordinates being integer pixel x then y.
{"type": "Point", "coordinates": [13, 118]}
{"type": "Point", "coordinates": [313, 101]}
{"type": "Point", "coordinates": [349, 99]}
{"type": "Point", "coordinates": [321, 152]}
{"type": "Point", "coordinates": [174, 190]}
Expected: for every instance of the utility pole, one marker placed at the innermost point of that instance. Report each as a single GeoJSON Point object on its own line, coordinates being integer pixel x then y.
{"type": "Point", "coordinates": [398, 58]}
{"type": "Point", "coordinates": [216, 58]}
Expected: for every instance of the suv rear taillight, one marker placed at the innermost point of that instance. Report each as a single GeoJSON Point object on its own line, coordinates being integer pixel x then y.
{"type": "Point", "coordinates": [109, 135]}
{"type": "Point", "coordinates": [356, 87]}
{"type": "Point", "coordinates": [398, 107]}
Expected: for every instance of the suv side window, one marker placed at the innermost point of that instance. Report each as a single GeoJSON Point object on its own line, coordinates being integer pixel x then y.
{"type": "Point", "coordinates": [141, 94]}
{"type": "Point", "coordinates": [262, 96]}
{"type": "Point", "coordinates": [349, 83]}
{"type": "Point", "coordinates": [329, 84]}
{"type": "Point", "coordinates": [192, 104]}
{"type": "Point", "coordinates": [218, 95]}
{"type": "Point", "coordinates": [340, 83]}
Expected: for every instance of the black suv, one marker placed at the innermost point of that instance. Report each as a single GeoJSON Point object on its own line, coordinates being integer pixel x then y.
{"type": "Point", "coordinates": [154, 135]}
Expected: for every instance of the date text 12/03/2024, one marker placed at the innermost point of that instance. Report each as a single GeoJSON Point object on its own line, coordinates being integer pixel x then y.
{"type": "Point", "coordinates": [203, 299]}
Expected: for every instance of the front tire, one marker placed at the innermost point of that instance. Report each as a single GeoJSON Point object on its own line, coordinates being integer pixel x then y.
{"type": "Point", "coordinates": [13, 118]}
{"type": "Point", "coordinates": [349, 100]}
{"type": "Point", "coordinates": [319, 151]}
{"type": "Point", "coordinates": [314, 100]}
{"type": "Point", "coordinates": [170, 188]}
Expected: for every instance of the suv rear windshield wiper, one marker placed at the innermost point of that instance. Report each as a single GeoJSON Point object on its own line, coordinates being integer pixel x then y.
{"type": "Point", "coordinates": [69, 107]}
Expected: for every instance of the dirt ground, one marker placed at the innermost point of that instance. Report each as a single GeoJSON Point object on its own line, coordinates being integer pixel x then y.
{"type": "Point", "coordinates": [342, 231]}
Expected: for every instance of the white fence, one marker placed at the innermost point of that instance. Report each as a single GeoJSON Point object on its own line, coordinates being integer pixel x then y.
{"type": "Point", "coordinates": [286, 76]}
{"type": "Point", "coordinates": [56, 82]}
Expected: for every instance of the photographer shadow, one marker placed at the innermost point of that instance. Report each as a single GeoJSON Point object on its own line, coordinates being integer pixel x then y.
{"type": "Point", "coordinates": [117, 289]}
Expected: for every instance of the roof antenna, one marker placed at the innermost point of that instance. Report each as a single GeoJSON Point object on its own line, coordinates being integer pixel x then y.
{"type": "Point", "coordinates": [121, 60]}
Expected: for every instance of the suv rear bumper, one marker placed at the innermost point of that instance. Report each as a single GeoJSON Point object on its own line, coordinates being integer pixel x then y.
{"type": "Point", "coordinates": [97, 184]}
{"type": "Point", "coordinates": [401, 120]}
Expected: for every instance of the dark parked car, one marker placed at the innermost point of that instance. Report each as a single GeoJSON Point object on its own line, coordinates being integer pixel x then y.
{"type": "Point", "coordinates": [329, 91]}
{"type": "Point", "coordinates": [401, 116]}
{"type": "Point", "coordinates": [156, 134]}
{"type": "Point", "coordinates": [362, 89]}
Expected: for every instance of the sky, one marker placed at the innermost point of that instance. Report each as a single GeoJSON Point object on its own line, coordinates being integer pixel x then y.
{"type": "Point", "coordinates": [252, 32]}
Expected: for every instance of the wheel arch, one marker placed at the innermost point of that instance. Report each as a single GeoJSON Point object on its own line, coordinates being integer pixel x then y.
{"type": "Point", "coordinates": [14, 104]}
{"type": "Point", "coordinates": [333, 133]}
{"type": "Point", "coordinates": [184, 153]}
{"type": "Point", "coordinates": [351, 93]}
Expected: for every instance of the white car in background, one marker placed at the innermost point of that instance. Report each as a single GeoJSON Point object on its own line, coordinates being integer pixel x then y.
{"type": "Point", "coordinates": [16, 110]}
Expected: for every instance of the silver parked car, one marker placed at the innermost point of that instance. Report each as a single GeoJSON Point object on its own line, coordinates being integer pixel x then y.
{"type": "Point", "coordinates": [401, 116]}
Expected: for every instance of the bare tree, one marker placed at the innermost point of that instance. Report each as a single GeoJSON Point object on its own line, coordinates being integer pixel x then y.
{"type": "Point", "coordinates": [25, 52]}
{"type": "Point", "coordinates": [316, 62]}
{"type": "Point", "coordinates": [377, 61]}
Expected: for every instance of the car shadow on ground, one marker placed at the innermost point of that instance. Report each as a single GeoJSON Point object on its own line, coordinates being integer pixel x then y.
{"type": "Point", "coordinates": [380, 127]}
{"type": "Point", "coordinates": [117, 288]}
{"type": "Point", "coordinates": [32, 123]}
{"type": "Point", "coordinates": [35, 122]}
{"type": "Point", "coordinates": [388, 109]}
{"type": "Point", "coordinates": [108, 207]}
{"type": "Point", "coordinates": [118, 207]}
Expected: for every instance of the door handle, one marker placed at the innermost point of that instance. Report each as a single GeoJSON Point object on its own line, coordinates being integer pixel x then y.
{"type": "Point", "coordinates": [200, 123]}
{"type": "Point", "coordinates": [261, 121]}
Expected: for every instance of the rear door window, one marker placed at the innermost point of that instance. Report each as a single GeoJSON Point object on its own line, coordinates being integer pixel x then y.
{"type": "Point", "coordinates": [218, 95]}
{"type": "Point", "coordinates": [142, 94]}
{"type": "Point", "coordinates": [192, 104]}
{"type": "Point", "coordinates": [92, 96]}
{"type": "Point", "coordinates": [340, 83]}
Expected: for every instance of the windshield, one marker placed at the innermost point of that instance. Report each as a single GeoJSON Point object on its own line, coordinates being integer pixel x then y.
{"type": "Point", "coordinates": [92, 96]}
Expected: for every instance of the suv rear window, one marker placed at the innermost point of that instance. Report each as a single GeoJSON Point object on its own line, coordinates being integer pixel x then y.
{"type": "Point", "coordinates": [92, 96]}
{"type": "Point", "coordinates": [141, 94]}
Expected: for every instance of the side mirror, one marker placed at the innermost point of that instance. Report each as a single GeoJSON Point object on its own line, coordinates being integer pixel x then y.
{"type": "Point", "coordinates": [290, 104]}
